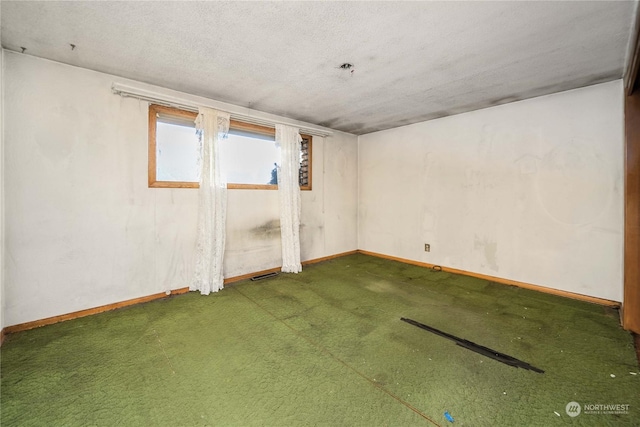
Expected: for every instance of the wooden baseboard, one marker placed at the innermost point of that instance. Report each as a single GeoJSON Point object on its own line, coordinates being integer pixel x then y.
{"type": "Point", "coordinates": [82, 313]}
{"type": "Point", "coordinates": [234, 279]}
{"type": "Point", "coordinates": [2, 334]}
{"type": "Point", "coordinates": [327, 258]}
{"type": "Point", "coordinates": [88, 312]}
{"type": "Point", "coordinates": [277, 269]}
{"type": "Point", "coordinates": [566, 294]}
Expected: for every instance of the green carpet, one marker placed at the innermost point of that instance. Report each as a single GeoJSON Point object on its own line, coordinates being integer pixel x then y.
{"type": "Point", "coordinates": [326, 347]}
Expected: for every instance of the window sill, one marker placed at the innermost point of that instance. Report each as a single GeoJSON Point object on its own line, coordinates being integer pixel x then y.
{"type": "Point", "coordinates": [175, 184]}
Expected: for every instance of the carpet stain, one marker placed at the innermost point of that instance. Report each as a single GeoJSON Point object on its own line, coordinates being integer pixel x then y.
{"type": "Point", "coordinates": [326, 347]}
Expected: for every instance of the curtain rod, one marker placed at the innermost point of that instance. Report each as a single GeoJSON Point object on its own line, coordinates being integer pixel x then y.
{"type": "Point", "coordinates": [184, 104]}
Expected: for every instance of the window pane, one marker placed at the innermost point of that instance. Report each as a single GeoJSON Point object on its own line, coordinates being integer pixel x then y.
{"type": "Point", "coordinates": [304, 161]}
{"type": "Point", "coordinates": [176, 152]}
{"type": "Point", "coordinates": [249, 158]}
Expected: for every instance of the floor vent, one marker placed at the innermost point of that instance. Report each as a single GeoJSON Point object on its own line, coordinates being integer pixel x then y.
{"type": "Point", "coordinates": [264, 276]}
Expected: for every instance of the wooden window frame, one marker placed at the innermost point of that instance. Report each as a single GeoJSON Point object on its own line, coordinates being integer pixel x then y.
{"type": "Point", "coordinates": [154, 109]}
{"type": "Point", "coordinates": [153, 118]}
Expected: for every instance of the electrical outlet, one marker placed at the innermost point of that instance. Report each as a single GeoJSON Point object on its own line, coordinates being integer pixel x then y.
{"type": "Point", "coordinates": [427, 247]}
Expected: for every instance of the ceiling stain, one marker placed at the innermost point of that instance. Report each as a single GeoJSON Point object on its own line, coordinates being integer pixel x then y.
{"type": "Point", "coordinates": [434, 59]}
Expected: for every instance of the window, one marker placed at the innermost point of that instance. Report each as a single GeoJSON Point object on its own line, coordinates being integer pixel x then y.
{"type": "Point", "coordinates": [249, 154]}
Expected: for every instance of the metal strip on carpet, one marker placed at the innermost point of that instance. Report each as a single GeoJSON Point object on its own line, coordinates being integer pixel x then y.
{"type": "Point", "coordinates": [485, 351]}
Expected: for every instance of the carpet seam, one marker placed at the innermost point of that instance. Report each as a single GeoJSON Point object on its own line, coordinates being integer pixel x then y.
{"type": "Point", "coordinates": [351, 368]}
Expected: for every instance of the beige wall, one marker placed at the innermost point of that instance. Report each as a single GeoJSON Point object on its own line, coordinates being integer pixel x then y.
{"type": "Point", "coordinates": [83, 228]}
{"type": "Point", "coordinates": [529, 191]}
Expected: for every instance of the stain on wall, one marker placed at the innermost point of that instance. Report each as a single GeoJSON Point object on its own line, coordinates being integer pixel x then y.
{"type": "Point", "coordinates": [527, 191]}
{"type": "Point", "coordinates": [489, 251]}
{"type": "Point", "coordinates": [268, 230]}
{"type": "Point", "coordinates": [574, 184]}
{"type": "Point", "coordinates": [79, 204]}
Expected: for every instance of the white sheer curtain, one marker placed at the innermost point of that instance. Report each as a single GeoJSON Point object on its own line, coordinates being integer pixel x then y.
{"type": "Point", "coordinates": [212, 204]}
{"type": "Point", "coordinates": [288, 139]}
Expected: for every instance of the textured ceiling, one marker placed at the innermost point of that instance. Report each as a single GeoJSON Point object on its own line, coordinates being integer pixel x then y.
{"type": "Point", "coordinates": [413, 61]}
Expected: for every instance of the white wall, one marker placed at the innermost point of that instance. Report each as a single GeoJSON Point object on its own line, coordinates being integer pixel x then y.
{"type": "Point", "coordinates": [530, 191]}
{"type": "Point", "coordinates": [83, 229]}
